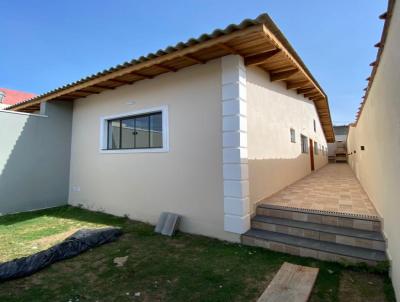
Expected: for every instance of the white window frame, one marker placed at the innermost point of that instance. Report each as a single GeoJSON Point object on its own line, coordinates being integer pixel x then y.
{"type": "Point", "coordinates": [306, 148]}
{"type": "Point", "coordinates": [165, 131]}
{"type": "Point", "coordinates": [292, 137]}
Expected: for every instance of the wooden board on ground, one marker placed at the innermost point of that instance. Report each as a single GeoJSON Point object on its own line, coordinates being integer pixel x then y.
{"type": "Point", "coordinates": [292, 283]}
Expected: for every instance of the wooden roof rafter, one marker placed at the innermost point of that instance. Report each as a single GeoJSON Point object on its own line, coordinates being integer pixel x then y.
{"type": "Point", "coordinates": [261, 58]}
{"type": "Point", "coordinates": [193, 59]}
{"type": "Point", "coordinates": [298, 84]}
{"type": "Point", "coordinates": [283, 75]}
{"type": "Point", "coordinates": [305, 90]}
{"type": "Point", "coordinates": [228, 48]}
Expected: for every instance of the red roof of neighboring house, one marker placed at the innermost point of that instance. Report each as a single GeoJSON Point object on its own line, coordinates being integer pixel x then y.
{"type": "Point", "coordinates": [13, 96]}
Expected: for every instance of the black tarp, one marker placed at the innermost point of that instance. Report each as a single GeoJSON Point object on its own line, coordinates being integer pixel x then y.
{"type": "Point", "coordinates": [75, 244]}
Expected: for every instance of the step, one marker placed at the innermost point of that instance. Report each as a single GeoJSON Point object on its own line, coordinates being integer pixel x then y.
{"type": "Point", "coordinates": [354, 221]}
{"type": "Point", "coordinates": [306, 247]}
{"type": "Point", "coordinates": [347, 236]}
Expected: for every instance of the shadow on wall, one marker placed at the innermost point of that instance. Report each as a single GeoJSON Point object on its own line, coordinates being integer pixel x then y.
{"type": "Point", "coordinates": [34, 158]}
{"type": "Point", "coordinates": [268, 176]}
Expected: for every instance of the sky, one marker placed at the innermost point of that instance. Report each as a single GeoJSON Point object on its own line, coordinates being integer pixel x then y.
{"type": "Point", "coordinates": [46, 44]}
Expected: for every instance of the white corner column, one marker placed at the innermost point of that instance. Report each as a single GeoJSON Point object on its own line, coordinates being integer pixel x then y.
{"type": "Point", "coordinates": [234, 132]}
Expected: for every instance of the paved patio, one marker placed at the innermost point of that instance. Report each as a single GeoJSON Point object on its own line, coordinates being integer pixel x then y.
{"type": "Point", "coordinates": [333, 188]}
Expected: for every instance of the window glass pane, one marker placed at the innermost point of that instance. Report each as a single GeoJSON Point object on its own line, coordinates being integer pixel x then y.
{"type": "Point", "coordinates": [128, 133]}
{"type": "Point", "coordinates": [292, 136]}
{"type": "Point", "coordinates": [156, 131]}
{"type": "Point", "coordinates": [304, 144]}
{"type": "Point", "coordinates": [113, 134]}
{"type": "Point", "coordinates": [142, 136]}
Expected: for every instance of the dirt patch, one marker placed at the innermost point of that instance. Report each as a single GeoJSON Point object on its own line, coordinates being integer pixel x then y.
{"type": "Point", "coordinates": [361, 287]}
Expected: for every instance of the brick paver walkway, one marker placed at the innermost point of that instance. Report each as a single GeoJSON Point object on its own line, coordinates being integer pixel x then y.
{"type": "Point", "coordinates": [333, 188]}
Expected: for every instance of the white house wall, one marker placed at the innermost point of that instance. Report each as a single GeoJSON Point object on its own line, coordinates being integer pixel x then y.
{"type": "Point", "coordinates": [274, 161]}
{"type": "Point", "coordinates": [187, 179]}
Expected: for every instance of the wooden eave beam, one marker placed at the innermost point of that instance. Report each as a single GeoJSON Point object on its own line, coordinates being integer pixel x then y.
{"type": "Point", "coordinates": [119, 81]}
{"type": "Point", "coordinates": [88, 90]}
{"type": "Point", "coordinates": [116, 82]}
{"type": "Point", "coordinates": [261, 58]}
{"type": "Point", "coordinates": [66, 98]}
{"type": "Point", "coordinates": [311, 94]}
{"type": "Point", "coordinates": [295, 85]}
{"type": "Point", "coordinates": [227, 48]}
{"type": "Point", "coordinates": [193, 59]}
{"type": "Point", "coordinates": [103, 87]}
{"type": "Point", "coordinates": [79, 94]}
{"type": "Point", "coordinates": [141, 75]}
{"type": "Point", "coordinates": [383, 16]}
{"type": "Point", "coordinates": [305, 90]}
{"type": "Point", "coordinates": [166, 68]}
{"type": "Point", "coordinates": [280, 76]}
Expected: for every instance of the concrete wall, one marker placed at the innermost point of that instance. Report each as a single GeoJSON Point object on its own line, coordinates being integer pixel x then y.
{"type": "Point", "coordinates": [332, 149]}
{"type": "Point", "coordinates": [186, 180]}
{"type": "Point", "coordinates": [274, 161]}
{"type": "Point", "coordinates": [34, 158]}
{"type": "Point", "coordinates": [378, 130]}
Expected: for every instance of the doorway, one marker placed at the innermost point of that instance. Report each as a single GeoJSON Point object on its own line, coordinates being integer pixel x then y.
{"type": "Point", "coordinates": [312, 154]}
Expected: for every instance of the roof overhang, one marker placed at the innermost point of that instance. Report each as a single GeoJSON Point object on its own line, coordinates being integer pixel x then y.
{"type": "Point", "coordinates": [258, 41]}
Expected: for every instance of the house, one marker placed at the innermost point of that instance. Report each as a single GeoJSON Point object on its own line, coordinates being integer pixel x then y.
{"type": "Point", "coordinates": [10, 97]}
{"type": "Point", "coordinates": [206, 129]}
{"type": "Point", "coordinates": [337, 151]}
{"type": "Point", "coordinates": [373, 140]}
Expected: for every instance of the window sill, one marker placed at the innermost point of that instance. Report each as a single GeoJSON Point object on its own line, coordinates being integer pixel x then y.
{"type": "Point", "coordinates": [122, 151]}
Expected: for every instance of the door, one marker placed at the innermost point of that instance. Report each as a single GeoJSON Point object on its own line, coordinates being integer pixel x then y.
{"type": "Point", "coordinates": [312, 154]}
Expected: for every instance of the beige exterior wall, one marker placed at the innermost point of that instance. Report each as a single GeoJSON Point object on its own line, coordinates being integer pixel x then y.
{"type": "Point", "coordinates": [378, 130]}
{"type": "Point", "coordinates": [274, 161]}
{"type": "Point", "coordinates": [186, 180]}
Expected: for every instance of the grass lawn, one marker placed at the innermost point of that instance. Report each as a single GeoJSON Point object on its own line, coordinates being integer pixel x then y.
{"type": "Point", "coordinates": [183, 268]}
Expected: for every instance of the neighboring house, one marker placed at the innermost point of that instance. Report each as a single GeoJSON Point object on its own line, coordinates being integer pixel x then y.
{"type": "Point", "coordinates": [337, 151]}
{"type": "Point", "coordinates": [374, 139]}
{"type": "Point", "coordinates": [11, 97]}
{"type": "Point", "coordinates": [205, 129]}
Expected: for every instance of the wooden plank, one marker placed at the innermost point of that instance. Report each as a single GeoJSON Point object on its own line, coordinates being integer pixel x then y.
{"type": "Point", "coordinates": [292, 283]}
{"type": "Point", "coordinates": [166, 68]}
{"type": "Point", "coordinates": [261, 58]}
{"type": "Point", "coordinates": [227, 48]}
{"type": "Point", "coordinates": [383, 16]}
{"type": "Point", "coordinates": [312, 94]}
{"type": "Point", "coordinates": [305, 90]}
{"type": "Point", "coordinates": [295, 85]}
{"type": "Point", "coordinates": [193, 59]}
{"type": "Point", "coordinates": [280, 76]}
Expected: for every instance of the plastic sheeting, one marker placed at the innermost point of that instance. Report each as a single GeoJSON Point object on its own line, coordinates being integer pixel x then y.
{"type": "Point", "coordinates": [77, 243]}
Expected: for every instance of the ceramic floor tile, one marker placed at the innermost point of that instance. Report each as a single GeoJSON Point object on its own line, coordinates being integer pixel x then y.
{"type": "Point", "coordinates": [331, 188]}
